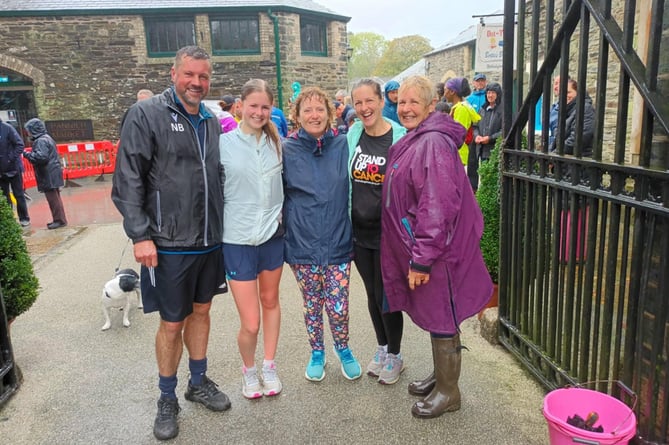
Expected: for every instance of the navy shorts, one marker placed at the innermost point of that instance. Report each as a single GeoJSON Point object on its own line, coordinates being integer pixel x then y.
{"type": "Point", "coordinates": [181, 279]}
{"type": "Point", "coordinates": [244, 263]}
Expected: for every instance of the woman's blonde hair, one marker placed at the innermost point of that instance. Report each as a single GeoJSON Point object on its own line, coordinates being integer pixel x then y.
{"type": "Point", "coordinates": [260, 86]}
{"type": "Point", "coordinates": [424, 87]}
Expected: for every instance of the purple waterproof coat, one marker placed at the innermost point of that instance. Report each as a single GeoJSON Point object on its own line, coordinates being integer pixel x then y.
{"type": "Point", "coordinates": [430, 219]}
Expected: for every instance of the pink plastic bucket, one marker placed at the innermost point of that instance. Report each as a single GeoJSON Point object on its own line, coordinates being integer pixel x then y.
{"type": "Point", "coordinates": [617, 419]}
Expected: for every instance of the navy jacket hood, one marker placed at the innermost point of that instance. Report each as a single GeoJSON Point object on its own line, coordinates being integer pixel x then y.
{"type": "Point", "coordinates": [35, 128]}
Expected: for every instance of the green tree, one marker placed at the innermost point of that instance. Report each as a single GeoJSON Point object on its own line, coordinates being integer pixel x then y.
{"type": "Point", "coordinates": [401, 53]}
{"type": "Point", "coordinates": [17, 279]}
{"type": "Point", "coordinates": [368, 48]}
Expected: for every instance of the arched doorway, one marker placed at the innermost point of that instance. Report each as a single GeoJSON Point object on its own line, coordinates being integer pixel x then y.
{"type": "Point", "coordinates": [17, 99]}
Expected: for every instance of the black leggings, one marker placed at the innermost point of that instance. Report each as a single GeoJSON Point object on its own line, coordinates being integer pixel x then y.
{"type": "Point", "coordinates": [387, 326]}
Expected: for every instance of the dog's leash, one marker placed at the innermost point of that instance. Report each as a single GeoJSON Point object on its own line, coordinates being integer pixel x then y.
{"type": "Point", "coordinates": [122, 254]}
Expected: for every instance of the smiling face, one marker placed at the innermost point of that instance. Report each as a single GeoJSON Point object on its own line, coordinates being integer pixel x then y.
{"type": "Point", "coordinates": [480, 84]}
{"type": "Point", "coordinates": [191, 81]}
{"type": "Point", "coordinates": [392, 96]}
{"type": "Point", "coordinates": [491, 97]}
{"type": "Point", "coordinates": [313, 115]}
{"type": "Point", "coordinates": [412, 108]}
{"type": "Point", "coordinates": [368, 105]}
{"type": "Point", "coordinates": [256, 111]}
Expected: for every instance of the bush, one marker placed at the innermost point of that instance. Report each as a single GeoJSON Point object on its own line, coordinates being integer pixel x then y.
{"type": "Point", "coordinates": [489, 201]}
{"type": "Point", "coordinates": [17, 278]}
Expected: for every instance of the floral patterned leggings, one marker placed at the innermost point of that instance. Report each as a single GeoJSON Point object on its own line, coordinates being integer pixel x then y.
{"type": "Point", "coordinates": [325, 286]}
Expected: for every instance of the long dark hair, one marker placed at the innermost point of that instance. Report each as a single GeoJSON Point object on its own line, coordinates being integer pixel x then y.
{"type": "Point", "coordinates": [260, 86]}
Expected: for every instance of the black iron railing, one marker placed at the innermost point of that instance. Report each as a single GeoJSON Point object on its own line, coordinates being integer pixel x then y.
{"type": "Point", "coordinates": [584, 270]}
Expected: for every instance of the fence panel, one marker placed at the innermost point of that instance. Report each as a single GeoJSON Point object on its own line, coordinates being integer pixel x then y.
{"type": "Point", "coordinates": [584, 280]}
{"type": "Point", "coordinates": [79, 160]}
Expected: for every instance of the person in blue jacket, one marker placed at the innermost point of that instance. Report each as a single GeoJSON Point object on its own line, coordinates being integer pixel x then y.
{"type": "Point", "coordinates": [318, 240]}
{"type": "Point", "coordinates": [478, 97]}
{"type": "Point", "coordinates": [390, 94]}
{"type": "Point", "coordinates": [279, 119]}
{"type": "Point", "coordinates": [11, 170]}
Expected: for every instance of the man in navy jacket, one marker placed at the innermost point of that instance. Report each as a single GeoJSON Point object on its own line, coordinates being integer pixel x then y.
{"type": "Point", "coordinates": [11, 170]}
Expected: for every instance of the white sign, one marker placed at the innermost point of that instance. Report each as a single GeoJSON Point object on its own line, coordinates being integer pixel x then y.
{"type": "Point", "coordinates": [8, 115]}
{"type": "Point", "coordinates": [489, 48]}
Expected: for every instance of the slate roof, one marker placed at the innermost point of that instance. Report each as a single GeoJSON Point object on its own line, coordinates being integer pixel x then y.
{"type": "Point", "coordinates": [465, 36]}
{"type": "Point", "coordinates": [107, 7]}
{"type": "Point", "coordinates": [417, 68]}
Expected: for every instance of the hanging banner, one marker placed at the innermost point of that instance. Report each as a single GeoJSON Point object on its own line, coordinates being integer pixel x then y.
{"type": "Point", "coordinates": [489, 46]}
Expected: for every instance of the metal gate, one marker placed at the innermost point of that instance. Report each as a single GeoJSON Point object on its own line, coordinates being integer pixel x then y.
{"type": "Point", "coordinates": [584, 260]}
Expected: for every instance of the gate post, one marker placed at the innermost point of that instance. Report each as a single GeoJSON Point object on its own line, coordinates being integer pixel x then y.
{"type": "Point", "coordinates": [9, 382]}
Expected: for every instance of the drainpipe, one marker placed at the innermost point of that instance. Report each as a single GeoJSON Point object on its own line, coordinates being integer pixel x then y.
{"type": "Point", "coordinates": [277, 56]}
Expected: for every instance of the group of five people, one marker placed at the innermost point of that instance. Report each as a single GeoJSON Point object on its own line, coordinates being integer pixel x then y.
{"type": "Point", "coordinates": [393, 198]}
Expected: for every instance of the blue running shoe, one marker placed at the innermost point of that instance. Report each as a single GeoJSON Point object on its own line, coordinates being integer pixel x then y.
{"type": "Point", "coordinates": [316, 367]}
{"type": "Point", "coordinates": [350, 367]}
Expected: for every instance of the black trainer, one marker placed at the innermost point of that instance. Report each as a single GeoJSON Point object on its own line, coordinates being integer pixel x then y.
{"type": "Point", "coordinates": [208, 394]}
{"type": "Point", "coordinates": [165, 426]}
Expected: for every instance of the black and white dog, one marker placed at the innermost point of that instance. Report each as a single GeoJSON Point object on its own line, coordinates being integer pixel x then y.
{"type": "Point", "coordinates": [117, 294]}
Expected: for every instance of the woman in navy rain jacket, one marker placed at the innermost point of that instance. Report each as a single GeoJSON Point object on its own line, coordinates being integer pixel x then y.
{"type": "Point", "coordinates": [318, 239]}
{"type": "Point", "coordinates": [48, 171]}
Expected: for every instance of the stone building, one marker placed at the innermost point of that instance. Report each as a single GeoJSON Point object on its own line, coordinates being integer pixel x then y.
{"type": "Point", "coordinates": [453, 59]}
{"type": "Point", "coordinates": [83, 62]}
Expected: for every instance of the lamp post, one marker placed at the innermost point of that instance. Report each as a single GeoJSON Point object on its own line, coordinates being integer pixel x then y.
{"type": "Point", "coordinates": [349, 54]}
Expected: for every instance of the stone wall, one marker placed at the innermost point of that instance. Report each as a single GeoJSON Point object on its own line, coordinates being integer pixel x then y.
{"type": "Point", "coordinates": [90, 67]}
{"type": "Point", "coordinates": [452, 62]}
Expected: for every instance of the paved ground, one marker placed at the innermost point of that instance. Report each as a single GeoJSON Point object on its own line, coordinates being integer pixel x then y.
{"type": "Point", "coordinates": [85, 386]}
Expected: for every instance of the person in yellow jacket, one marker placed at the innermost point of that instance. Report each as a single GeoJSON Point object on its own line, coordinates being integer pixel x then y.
{"type": "Point", "coordinates": [455, 90]}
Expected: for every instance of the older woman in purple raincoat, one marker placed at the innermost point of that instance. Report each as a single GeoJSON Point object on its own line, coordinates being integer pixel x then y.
{"type": "Point", "coordinates": [431, 226]}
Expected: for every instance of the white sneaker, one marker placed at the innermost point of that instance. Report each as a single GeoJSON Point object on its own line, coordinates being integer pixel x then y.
{"type": "Point", "coordinates": [270, 381]}
{"type": "Point", "coordinates": [251, 388]}
{"type": "Point", "coordinates": [392, 369]}
{"type": "Point", "coordinates": [376, 365]}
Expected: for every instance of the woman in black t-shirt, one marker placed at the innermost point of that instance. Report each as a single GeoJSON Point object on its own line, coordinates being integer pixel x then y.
{"type": "Point", "coordinates": [369, 139]}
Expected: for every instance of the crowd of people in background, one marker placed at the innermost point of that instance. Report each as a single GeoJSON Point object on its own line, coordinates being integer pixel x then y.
{"type": "Point", "coordinates": [475, 106]}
